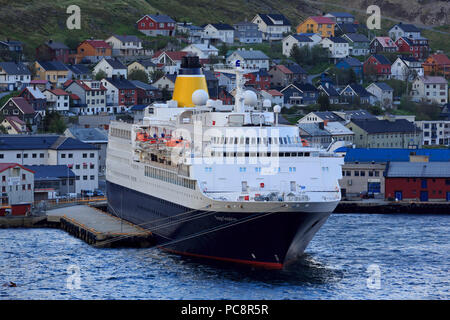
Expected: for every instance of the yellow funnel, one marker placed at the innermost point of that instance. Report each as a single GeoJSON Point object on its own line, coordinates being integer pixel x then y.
{"type": "Point", "coordinates": [185, 86]}
{"type": "Point", "coordinates": [190, 79]}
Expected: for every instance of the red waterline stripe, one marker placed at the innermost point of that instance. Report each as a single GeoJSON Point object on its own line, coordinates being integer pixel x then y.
{"type": "Point", "coordinates": [265, 265]}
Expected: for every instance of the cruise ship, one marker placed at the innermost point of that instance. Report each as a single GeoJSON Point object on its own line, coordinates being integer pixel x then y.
{"type": "Point", "coordinates": [220, 182]}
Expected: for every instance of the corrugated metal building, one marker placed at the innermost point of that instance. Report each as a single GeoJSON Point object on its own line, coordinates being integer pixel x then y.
{"type": "Point", "coordinates": [421, 181]}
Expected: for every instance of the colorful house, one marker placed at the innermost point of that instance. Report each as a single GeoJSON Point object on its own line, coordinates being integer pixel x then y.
{"type": "Point", "coordinates": [54, 71]}
{"type": "Point", "coordinates": [382, 44]}
{"type": "Point", "coordinates": [93, 51]}
{"type": "Point", "coordinates": [418, 47]}
{"type": "Point", "coordinates": [377, 66]}
{"type": "Point", "coordinates": [437, 65]}
{"type": "Point", "coordinates": [154, 25]}
{"type": "Point", "coordinates": [53, 51]}
{"type": "Point", "coordinates": [351, 63]}
{"type": "Point", "coordinates": [317, 24]}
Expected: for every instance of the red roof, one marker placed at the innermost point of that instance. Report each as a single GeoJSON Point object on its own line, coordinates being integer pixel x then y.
{"type": "Point", "coordinates": [440, 58]}
{"type": "Point", "coordinates": [13, 121]}
{"type": "Point", "coordinates": [386, 41]}
{"type": "Point", "coordinates": [74, 97]}
{"type": "Point", "coordinates": [23, 105]}
{"type": "Point", "coordinates": [59, 92]}
{"type": "Point", "coordinates": [83, 85]}
{"type": "Point", "coordinates": [322, 20]}
{"type": "Point", "coordinates": [174, 55]}
{"type": "Point", "coordinates": [274, 93]}
{"type": "Point", "coordinates": [6, 166]}
{"type": "Point", "coordinates": [38, 82]}
{"type": "Point", "coordinates": [284, 69]}
{"type": "Point", "coordinates": [98, 44]}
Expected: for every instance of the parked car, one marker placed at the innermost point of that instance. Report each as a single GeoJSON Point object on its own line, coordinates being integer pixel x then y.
{"type": "Point", "coordinates": [99, 193]}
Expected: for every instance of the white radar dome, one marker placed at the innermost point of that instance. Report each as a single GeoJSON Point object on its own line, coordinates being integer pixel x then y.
{"type": "Point", "coordinates": [250, 98]}
{"type": "Point", "coordinates": [199, 97]}
{"type": "Point", "coordinates": [277, 109]}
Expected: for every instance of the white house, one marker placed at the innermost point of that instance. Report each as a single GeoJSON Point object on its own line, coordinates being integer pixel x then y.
{"type": "Point", "coordinates": [406, 67]}
{"type": "Point", "coordinates": [430, 89]}
{"type": "Point", "coordinates": [404, 30]}
{"type": "Point", "coordinates": [275, 96]}
{"type": "Point", "coordinates": [218, 32]}
{"type": "Point", "coordinates": [57, 100]}
{"type": "Point", "coordinates": [14, 76]}
{"type": "Point", "coordinates": [435, 132]}
{"type": "Point", "coordinates": [249, 59]}
{"type": "Point", "coordinates": [80, 157]}
{"type": "Point", "coordinates": [169, 61]}
{"type": "Point", "coordinates": [112, 67]}
{"type": "Point", "coordinates": [272, 26]}
{"type": "Point", "coordinates": [92, 95]}
{"type": "Point", "coordinates": [166, 82]}
{"type": "Point", "coordinates": [383, 93]}
{"type": "Point", "coordinates": [125, 45]}
{"type": "Point", "coordinates": [203, 51]}
{"type": "Point", "coordinates": [296, 39]}
{"type": "Point", "coordinates": [338, 47]}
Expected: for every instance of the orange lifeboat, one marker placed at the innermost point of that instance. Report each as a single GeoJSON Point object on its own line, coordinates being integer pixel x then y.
{"type": "Point", "coordinates": [305, 143]}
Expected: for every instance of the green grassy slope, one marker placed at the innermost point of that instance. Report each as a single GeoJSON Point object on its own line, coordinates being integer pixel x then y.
{"type": "Point", "coordinates": [35, 21]}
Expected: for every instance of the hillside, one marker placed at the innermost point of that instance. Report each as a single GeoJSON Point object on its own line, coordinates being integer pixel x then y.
{"type": "Point", "coordinates": [34, 21]}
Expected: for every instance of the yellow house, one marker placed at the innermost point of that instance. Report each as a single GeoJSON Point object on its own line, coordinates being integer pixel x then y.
{"type": "Point", "coordinates": [145, 65]}
{"type": "Point", "coordinates": [317, 24]}
{"type": "Point", "coordinates": [53, 71]}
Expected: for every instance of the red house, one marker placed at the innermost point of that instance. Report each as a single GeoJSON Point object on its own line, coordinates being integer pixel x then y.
{"type": "Point", "coordinates": [225, 97]}
{"type": "Point", "coordinates": [259, 80]}
{"type": "Point", "coordinates": [53, 51]}
{"type": "Point", "coordinates": [420, 181]}
{"type": "Point", "coordinates": [418, 48]}
{"type": "Point", "coordinates": [126, 92]}
{"type": "Point", "coordinates": [154, 25]}
{"type": "Point", "coordinates": [377, 66]}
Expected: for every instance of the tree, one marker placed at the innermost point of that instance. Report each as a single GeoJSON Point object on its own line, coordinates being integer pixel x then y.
{"type": "Point", "coordinates": [139, 75]}
{"type": "Point", "coordinates": [100, 75]}
{"type": "Point", "coordinates": [54, 123]}
{"type": "Point", "coordinates": [324, 102]}
{"type": "Point", "coordinates": [155, 75]}
{"type": "Point", "coordinates": [223, 49]}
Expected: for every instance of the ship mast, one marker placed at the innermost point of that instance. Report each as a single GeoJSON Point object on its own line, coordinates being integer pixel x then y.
{"type": "Point", "coordinates": [239, 72]}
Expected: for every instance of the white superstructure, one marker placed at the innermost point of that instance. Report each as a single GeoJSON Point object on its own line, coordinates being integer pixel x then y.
{"type": "Point", "coordinates": [212, 157]}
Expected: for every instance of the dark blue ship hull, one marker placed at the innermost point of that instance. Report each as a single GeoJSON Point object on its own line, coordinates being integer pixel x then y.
{"type": "Point", "coordinates": [259, 238]}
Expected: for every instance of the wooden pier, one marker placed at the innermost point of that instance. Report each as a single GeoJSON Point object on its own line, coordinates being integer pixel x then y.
{"type": "Point", "coordinates": [99, 228]}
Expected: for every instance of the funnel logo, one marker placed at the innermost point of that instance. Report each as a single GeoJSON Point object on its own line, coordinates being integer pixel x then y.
{"type": "Point", "coordinates": [238, 63]}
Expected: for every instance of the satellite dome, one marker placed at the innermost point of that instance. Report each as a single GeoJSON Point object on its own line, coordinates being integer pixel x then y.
{"type": "Point", "coordinates": [250, 98]}
{"type": "Point", "coordinates": [199, 97]}
{"type": "Point", "coordinates": [277, 109]}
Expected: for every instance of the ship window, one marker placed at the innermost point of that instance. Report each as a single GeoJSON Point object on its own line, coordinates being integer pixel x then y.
{"type": "Point", "coordinates": [253, 140]}
{"type": "Point", "coordinates": [285, 140]}
{"type": "Point", "coordinates": [242, 140]}
{"type": "Point", "coordinates": [306, 154]}
{"type": "Point", "coordinates": [281, 140]}
{"type": "Point", "coordinates": [270, 140]}
{"type": "Point", "coordinates": [247, 140]}
{"type": "Point", "coordinates": [289, 140]}
{"type": "Point", "coordinates": [300, 154]}
{"type": "Point", "coordinates": [281, 154]}
{"type": "Point", "coordinates": [287, 154]}
{"type": "Point", "coordinates": [236, 140]}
